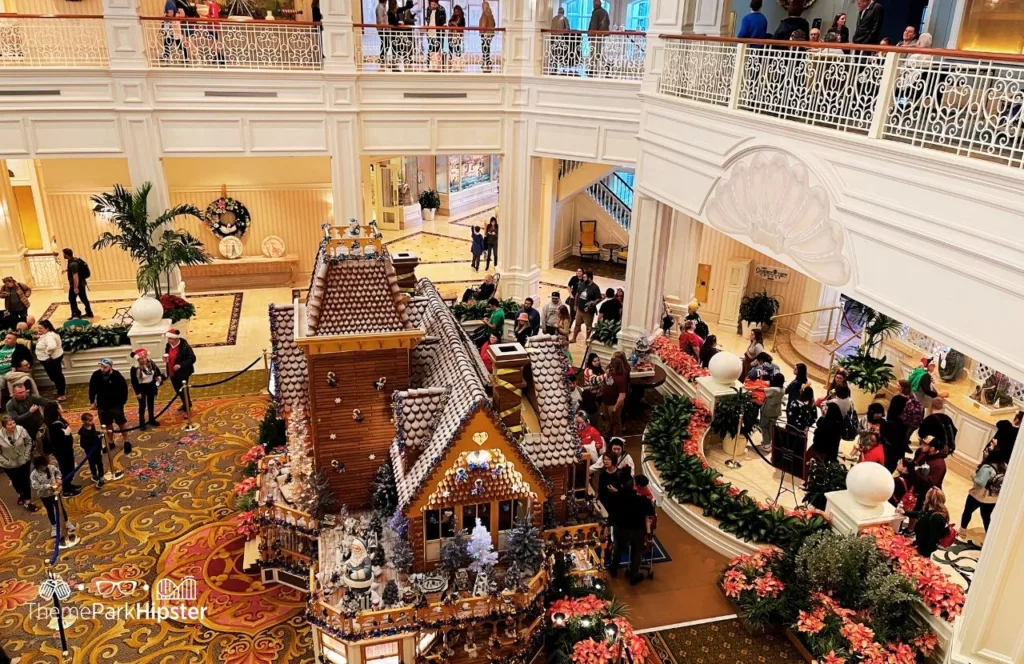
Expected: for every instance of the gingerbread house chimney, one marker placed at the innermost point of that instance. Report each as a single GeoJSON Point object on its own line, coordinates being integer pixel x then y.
{"type": "Point", "coordinates": [405, 263]}
{"type": "Point", "coordinates": [509, 361]}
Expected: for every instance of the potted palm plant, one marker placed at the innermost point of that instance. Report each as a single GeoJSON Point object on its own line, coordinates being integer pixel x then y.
{"type": "Point", "coordinates": [867, 373]}
{"type": "Point", "coordinates": [152, 243]}
{"type": "Point", "coordinates": [758, 310]}
{"type": "Point", "coordinates": [430, 201]}
{"type": "Point", "coordinates": [734, 418]}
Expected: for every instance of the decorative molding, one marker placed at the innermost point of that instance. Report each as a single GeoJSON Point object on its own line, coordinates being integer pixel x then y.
{"type": "Point", "coordinates": [768, 198]}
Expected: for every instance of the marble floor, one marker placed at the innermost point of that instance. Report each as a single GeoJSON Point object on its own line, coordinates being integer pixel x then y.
{"type": "Point", "coordinates": [442, 245]}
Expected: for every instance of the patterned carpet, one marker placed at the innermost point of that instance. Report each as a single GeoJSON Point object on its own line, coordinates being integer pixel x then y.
{"type": "Point", "coordinates": [171, 515]}
{"type": "Point", "coordinates": [215, 322]}
{"type": "Point", "coordinates": [721, 642]}
{"type": "Point", "coordinates": [599, 268]}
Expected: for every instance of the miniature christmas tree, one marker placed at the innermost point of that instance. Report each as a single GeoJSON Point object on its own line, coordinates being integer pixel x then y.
{"type": "Point", "coordinates": [379, 559]}
{"type": "Point", "coordinates": [513, 576]}
{"type": "Point", "coordinates": [300, 458]}
{"type": "Point", "coordinates": [402, 556]}
{"type": "Point", "coordinates": [376, 526]}
{"type": "Point", "coordinates": [481, 549]}
{"type": "Point", "coordinates": [385, 491]}
{"type": "Point", "coordinates": [390, 595]}
{"type": "Point", "coordinates": [524, 545]}
{"type": "Point", "coordinates": [549, 515]}
{"type": "Point", "coordinates": [272, 429]}
{"type": "Point", "coordinates": [455, 552]}
{"type": "Point", "coordinates": [318, 495]}
{"type": "Point", "coordinates": [571, 517]}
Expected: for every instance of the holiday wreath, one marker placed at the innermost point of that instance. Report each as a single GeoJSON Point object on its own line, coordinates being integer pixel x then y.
{"type": "Point", "coordinates": [227, 217]}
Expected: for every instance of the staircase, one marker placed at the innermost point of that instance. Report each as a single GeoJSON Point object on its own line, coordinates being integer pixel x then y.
{"type": "Point", "coordinates": [614, 193]}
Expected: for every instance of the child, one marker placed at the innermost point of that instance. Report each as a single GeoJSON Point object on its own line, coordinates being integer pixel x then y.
{"type": "Point", "coordinates": [92, 442]}
{"type": "Point", "coordinates": [477, 248]}
{"type": "Point", "coordinates": [45, 479]}
{"type": "Point", "coordinates": [643, 489]}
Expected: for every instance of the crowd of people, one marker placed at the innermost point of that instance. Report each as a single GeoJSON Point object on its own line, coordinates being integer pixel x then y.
{"type": "Point", "coordinates": [867, 31]}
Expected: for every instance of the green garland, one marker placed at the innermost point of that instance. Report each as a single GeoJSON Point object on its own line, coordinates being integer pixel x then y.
{"type": "Point", "coordinates": [671, 446]}
{"type": "Point", "coordinates": [75, 339]}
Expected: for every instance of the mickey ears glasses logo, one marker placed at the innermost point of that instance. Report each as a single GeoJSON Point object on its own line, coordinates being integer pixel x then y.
{"type": "Point", "coordinates": [55, 587]}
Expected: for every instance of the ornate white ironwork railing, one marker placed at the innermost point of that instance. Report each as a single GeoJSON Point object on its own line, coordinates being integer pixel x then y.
{"type": "Point", "coordinates": [611, 203]}
{"type": "Point", "coordinates": [427, 49]}
{"type": "Point", "coordinates": [954, 101]}
{"type": "Point", "coordinates": [610, 55]}
{"type": "Point", "coordinates": [971, 107]}
{"type": "Point", "coordinates": [567, 166]}
{"type": "Point", "coordinates": [28, 40]}
{"type": "Point", "coordinates": [699, 70]}
{"type": "Point", "coordinates": [199, 43]}
{"type": "Point", "coordinates": [45, 269]}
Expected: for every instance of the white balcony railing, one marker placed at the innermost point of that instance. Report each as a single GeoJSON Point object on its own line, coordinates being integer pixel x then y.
{"type": "Point", "coordinates": [610, 55]}
{"type": "Point", "coordinates": [958, 102]}
{"type": "Point", "coordinates": [28, 40]}
{"type": "Point", "coordinates": [428, 49]}
{"type": "Point", "coordinates": [199, 43]}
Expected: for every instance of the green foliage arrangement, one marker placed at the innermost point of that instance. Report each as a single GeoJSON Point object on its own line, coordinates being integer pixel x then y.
{"type": "Point", "coordinates": [524, 546]}
{"type": "Point", "coordinates": [671, 444]}
{"type": "Point", "coordinates": [759, 308]}
{"type": "Point", "coordinates": [76, 339]}
{"type": "Point", "coordinates": [272, 429]}
{"type": "Point", "coordinates": [606, 333]}
{"type": "Point", "coordinates": [868, 373]}
{"type": "Point", "coordinates": [480, 310]}
{"type": "Point", "coordinates": [429, 199]}
{"type": "Point", "coordinates": [726, 422]}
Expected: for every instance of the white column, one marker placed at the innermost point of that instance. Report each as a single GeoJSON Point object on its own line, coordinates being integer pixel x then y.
{"type": "Point", "coordinates": [125, 42]}
{"type": "Point", "coordinates": [814, 327]}
{"type": "Point", "coordinates": [519, 221]}
{"type": "Point", "coordinates": [521, 45]}
{"type": "Point", "coordinates": [989, 630]}
{"type": "Point", "coordinates": [346, 182]}
{"type": "Point", "coordinates": [645, 272]}
{"type": "Point", "coordinates": [548, 211]}
{"type": "Point", "coordinates": [683, 256]}
{"type": "Point", "coordinates": [711, 17]}
{"type": "Point", "coordinates": [338, 36]}
{"type": "Point", "coordinates": [12, 241]}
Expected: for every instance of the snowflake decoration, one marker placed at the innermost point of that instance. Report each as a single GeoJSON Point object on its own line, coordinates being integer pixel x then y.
{"type": "Point", "coordinates": [372, 457]}
{"type": "Point", "coordinates": [337, 400]}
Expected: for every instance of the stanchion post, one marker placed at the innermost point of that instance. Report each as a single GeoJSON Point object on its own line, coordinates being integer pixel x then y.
{"type": "Point", "coordinates": [108, 439]}
{"type": "Point", "coordinates": [70, 539]}
{"type": "Point", "coordinates": [187, 395]}
{"type": "Point", "coordinates": [733, 463]}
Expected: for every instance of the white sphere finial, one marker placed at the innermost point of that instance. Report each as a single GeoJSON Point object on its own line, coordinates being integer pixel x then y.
{"type": "Point", "coordinates": [725, 367]}
{"type": "Point", "coordinates": [870, 483]}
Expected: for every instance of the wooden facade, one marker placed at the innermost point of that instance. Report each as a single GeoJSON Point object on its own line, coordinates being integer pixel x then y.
{"type": "Point", "coordinates": [361, 446]}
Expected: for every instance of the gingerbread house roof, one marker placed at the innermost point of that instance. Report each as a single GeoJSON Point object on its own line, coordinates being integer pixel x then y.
{"type": "Point", "coordinates": [558, 442]}
{"type": "Point", "coordinates": [355, 296]}
{"type": "Point", "coordinates": [287, 360]}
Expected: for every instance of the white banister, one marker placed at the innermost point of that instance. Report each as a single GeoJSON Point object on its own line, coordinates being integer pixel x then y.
{"type": "Point", "coordinates": [52, 41]}
{"type": "Point", "coordinates": [608, 55]}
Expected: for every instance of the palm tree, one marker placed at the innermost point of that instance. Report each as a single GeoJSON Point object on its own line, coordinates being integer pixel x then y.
{"type": "Point", "coordinates": [152, 243]}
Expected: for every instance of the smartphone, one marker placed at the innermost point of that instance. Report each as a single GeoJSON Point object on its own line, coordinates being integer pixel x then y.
{"type": "Point", "coordinates": [816, 24]}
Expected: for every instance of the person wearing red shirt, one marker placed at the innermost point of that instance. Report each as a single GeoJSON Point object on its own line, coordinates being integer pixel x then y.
{"type": "Point", "coordinates": [589, 435]}
{"type": "Point", "coordinates": [485, 356]}
{"type": "Point", "coordinates": [689, 341]}
{"type": "Point", "coordinates": [872, 450]}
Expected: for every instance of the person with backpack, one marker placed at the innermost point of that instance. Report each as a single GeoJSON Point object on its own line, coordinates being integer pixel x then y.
{"type": "Point", "coordinates": [939, 426]}
{"type": "Point", "coordinates": [78, 284]}
{"type": "Point", "coordinates": [922, 381]}
{"type": "Point", "coordinates": [988, 480]}
{"type": "Point", "coordinates": [699, 326]}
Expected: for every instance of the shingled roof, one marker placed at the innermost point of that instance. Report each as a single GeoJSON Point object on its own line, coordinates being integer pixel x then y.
{"type": "Point", "coordinates": [355, 296]}
{"type": "Point", "coordinates": [558, 442]}
{"type": "Point", "coordinates": [288, 360]}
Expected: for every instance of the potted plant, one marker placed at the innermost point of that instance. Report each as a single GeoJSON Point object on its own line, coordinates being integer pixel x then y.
{"type": "Point", "coordinates": [152, 243]}
{"type": "Point", "coordinates": [430, 201]}
{"type": "Point", "coordinates": [729, 412]}
{"type": "Point", "coordinates": [866, 376]}
{"type": "Point", "coordinates": [606, 332]}
{"type": "Point", "coordinates": [758, 310]}
{"type": "Point", "coordinates": [178, 310]}
{"type": "Point", "coordinates": [823, 478]}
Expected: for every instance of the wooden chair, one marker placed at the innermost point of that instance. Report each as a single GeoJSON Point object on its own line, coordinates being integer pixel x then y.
{"type": "Point", "coordinates": [622, 255]}
{"type": "Point", "coordinates": [589, 245]}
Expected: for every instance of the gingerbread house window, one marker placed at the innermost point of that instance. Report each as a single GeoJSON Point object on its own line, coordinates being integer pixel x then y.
{"type": "Point", "coordinates": [382, 653]}
{"type": "Point", "coordinates": [579, 479]}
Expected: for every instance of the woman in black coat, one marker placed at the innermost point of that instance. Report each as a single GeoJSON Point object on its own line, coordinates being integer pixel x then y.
{"type": "Point", "coordinates": [61, 444]}
{"type": "Point", "coordinates": [828, 433]}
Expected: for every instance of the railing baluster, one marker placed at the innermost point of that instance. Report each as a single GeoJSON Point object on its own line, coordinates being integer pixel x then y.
{"type": "Point", "coordinates": [52, 41]}
{"type": "Point", "coordinates": [606, 55]}
{"type": "Point", "coordinates": [421, 49]}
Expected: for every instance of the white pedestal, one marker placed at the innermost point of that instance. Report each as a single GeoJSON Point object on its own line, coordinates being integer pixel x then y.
{"type": "Point", "coordinates": [850, 517]}
{"type": "Point", "coordinates": [151, 337]}
{"type": "Point", "coordinates": [709, 390]}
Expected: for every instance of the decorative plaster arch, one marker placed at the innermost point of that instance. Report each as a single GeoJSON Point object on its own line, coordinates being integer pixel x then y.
{"type": "Point", "coordinates": [769, 198]}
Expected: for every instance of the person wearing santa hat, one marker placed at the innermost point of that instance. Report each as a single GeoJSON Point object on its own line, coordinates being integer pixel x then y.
{"type": "Point", "coordinates": [181, 364]}
{"type": "Point", "coordinates": [146, 380]}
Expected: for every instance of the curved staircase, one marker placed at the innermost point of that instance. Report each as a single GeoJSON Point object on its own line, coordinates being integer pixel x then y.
{"type": "Point", "coordinates": [793, 350]}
